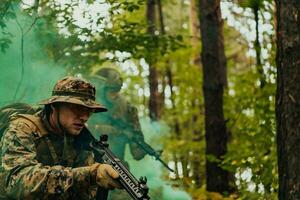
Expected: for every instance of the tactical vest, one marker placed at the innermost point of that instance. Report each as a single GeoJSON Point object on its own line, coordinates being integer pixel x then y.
{"type": "Point", "coordinates": [52, 149]}
{"type": "Point", "coordinates": [49, 149]}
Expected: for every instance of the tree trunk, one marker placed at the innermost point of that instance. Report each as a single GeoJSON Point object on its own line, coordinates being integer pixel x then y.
{"type": "Point", "coordinates": [154, 101]}
{"type": "Point", "coordinates": [185, 162]}
{"type": "Point", "coordinates": [176, 125]}
{"type": "Point", "coordinates": [257, 47]}
{"type": "Point", "coordinates": [288, 98]}
{"type": "Point", "coordinates": [154, 110]}
{"type": "Point", "coordinates": [175, 166]}
{"type": "Point", "coordinates": [214, 80]}
{"type": "Point", "coordinates": [167, 63]}
{"type": "Point", "coordinates": [161, 17]}
{"type": "Point", "coordinates": [197, 133]}
{"type": "Point", "coordinates": [194, 30]}
{"type": "Point", "coordinates": [196, 164]}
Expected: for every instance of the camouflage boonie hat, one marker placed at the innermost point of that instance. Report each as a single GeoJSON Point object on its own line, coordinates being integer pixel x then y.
{"type": "Point", "coordinates": [75, 90]}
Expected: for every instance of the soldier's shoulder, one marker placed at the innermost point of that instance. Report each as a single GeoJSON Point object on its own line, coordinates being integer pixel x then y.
{"type": "Point", "coordinates": [21, 124]}
{"type": "Point", "coordinates": [18, 130]}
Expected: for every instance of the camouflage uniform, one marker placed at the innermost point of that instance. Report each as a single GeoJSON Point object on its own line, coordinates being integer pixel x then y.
{"type": "Point", "coordinates": [38, 164]}
{"type": "Point", "coordinates": [120, 133]}
{"type": "Point", "coordinates": [120, 122]}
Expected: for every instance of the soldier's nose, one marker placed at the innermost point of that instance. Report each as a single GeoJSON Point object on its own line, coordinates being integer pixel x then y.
{"type": "Point", "coordinates": [84, 116]}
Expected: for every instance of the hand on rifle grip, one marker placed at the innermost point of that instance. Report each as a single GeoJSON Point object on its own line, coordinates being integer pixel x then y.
{"type": "Point", "coordinates": [107, 177]}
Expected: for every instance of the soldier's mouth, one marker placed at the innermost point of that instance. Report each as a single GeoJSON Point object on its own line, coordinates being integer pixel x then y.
{"type": "Point", "coordinates": [78, 126]}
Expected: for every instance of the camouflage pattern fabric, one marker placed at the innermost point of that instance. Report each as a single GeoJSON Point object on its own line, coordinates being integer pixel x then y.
{"type": "Point", "coordinates": [118, 136]}
{"type": "Point", "coordinates": [9, 111]}
{"type": "Point", "coordinates": [109, 80]}
{"type": "Point", "coordinates": [75, 90]}
{"type": "Point", "coordinates": [28, 171]}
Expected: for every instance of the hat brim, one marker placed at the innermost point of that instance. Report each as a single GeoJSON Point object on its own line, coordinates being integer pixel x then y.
{"type": "Point", "coordinates": [75, 100]}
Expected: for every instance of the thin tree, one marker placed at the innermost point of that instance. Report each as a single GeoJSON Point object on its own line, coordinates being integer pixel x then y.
{"type": "Point", "coordinates": [214, 81]}
{"type": "Point", "coordinates": [288, 98]}
{"type": "Point", "coordinates": [154, 101]}
{"type": "Point", "coordinates": [198, 175]}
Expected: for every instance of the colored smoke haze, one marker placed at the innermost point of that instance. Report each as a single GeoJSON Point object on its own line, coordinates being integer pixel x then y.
{"type": "Point", "coordinates": [160, 189]}
{"type": "Point", "coordinates": [39, 76]}
{"type": "Point", "coordinates": [40, 72]}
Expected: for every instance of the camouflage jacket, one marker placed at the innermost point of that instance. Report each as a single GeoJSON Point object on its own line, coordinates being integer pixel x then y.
{"type": "Point", "coordinates": [38, 164]}
{"type": "Point", "coordinates": [120, 122]}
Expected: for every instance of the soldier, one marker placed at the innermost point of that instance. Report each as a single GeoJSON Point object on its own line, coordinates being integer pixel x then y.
{"type": "Point", "coordinates": [47, 155]}
{"type": "Point", "coordinates": [121, 122]}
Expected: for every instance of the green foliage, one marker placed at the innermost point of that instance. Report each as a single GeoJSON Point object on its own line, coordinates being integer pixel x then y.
{"type": "Point", "coordinates": [248, 107]}
{"type": "Point", "coordinates": [130, 6]}
{"type": "Point", "coordinates": [252, 126]}
{"type": "Point", "coordinates": [123, 35]}
{"type": "Point", "coordinates": [251, 3]}
{"type": "Point", "coordinates": [250, 111]}
{"type": "Point", "coordinates": [255, 4]}
{"type": "Point", "coordinates": [5, 14]}
{"type": "Point", "coordinates": [4, 44]}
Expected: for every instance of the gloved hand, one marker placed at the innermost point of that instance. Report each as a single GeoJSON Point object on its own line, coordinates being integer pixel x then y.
{"type": "Point", "coordinates": [106, 177]}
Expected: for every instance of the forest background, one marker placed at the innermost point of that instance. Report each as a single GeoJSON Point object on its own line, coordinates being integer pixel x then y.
{"type": "Point", "coordinates": [156, 45]}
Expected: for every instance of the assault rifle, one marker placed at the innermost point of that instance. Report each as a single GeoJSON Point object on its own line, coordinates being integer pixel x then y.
{"type": "Point", "coordinates": [147, 148]}
{"type": "Point", "coordinates": [128, 130]}
{"type": "Point", "coordinates": [137, 189]}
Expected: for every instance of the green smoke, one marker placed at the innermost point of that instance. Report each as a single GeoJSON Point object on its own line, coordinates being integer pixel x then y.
{"type": "Point", "coordinates": [39, 75]}
{"type": "Point", "coordinates": [39, 72]}
{"type": "Point", "coordinates": [159, 189]}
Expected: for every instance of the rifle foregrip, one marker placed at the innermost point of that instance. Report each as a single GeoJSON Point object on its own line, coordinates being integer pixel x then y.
{"type": "Point", "coordinates": [137, 189]}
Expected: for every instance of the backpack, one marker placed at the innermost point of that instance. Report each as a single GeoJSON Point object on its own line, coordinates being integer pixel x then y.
{"type": "Point", "coordinates": [8, 112]}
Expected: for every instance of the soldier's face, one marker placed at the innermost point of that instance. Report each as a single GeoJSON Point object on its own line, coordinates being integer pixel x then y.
{"type": "Point", "coordinates": [73, 117]}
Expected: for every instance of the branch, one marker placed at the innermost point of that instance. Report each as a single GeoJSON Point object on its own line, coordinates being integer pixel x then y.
{"type": "Point", "coordinates": [22, 57]}
{"type": "Point", "coordinates": [26, 4]}
{"type": "Point", "coordinates": [31, 26]}
{"type": "Point", "coordinates": [22, 44]}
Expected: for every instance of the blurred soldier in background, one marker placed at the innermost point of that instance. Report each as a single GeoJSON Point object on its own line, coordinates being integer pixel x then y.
{"type": "Point", "coordinates": [121, 122]}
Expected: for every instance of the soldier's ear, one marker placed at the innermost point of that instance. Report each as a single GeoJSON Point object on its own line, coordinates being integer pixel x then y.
{"type": "Point", "coordinates": [53, 107]}
{"type": "Point", "coordinates": [48, 110]}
